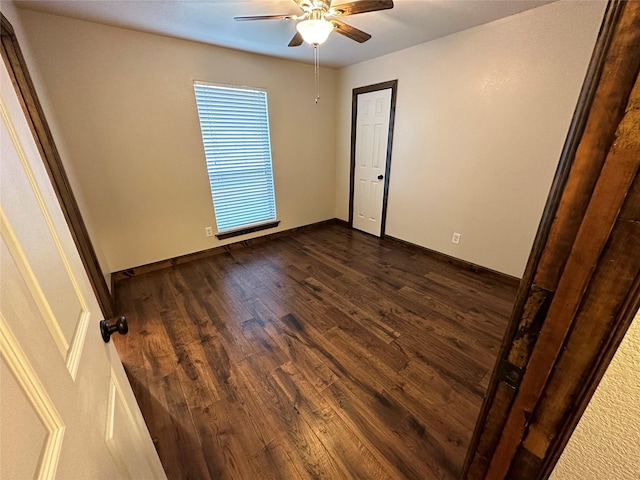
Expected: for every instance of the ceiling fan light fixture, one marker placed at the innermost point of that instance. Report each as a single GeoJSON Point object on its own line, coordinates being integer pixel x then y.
{"type": "Point", "coordinates": [315, 32]}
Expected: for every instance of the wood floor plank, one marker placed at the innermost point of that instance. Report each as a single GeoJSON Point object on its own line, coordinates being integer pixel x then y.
{"type": "Point", "coordinates": [354, 374]}
{"type": "Point", "coordinates": [273, 462]}
{"type": "Point", "coordinates": [307, 361]}
{"type": "Point", "coordinates": [231, 433]}
{"type": "Point", "coordinates": [257, 372]}
{"type": "Point", "coordinates": [351, 299]}
{"type": "Point", "coordinates": [194, 376]}
{"type": "Point", "coordinates": [450, 432]}
{"type": "Point", "coordinates": [343, 445]}
{"type": "Point", "coordinates": [454, 361]}
{"type": "Point", "coordinates": [303, 443]}
{"type": "Point", "coordinates": [327, 354]}
{"type": "Point", "coordinates": [368, 342]}
{"type": "Point", "coordinates": [219, 306]}
{"type": "Point", "coordinates": [158, 352]}
{"type": "Point", "coordinates": [418, 439]}
{"type": "Point", "coordinates": [178, 426]}
{"type": "Point", "coordinates": [384, 442]}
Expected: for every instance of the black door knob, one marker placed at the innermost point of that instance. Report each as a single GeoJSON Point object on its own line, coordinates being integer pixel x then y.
{"type": "Point", "coordinates": [119, 326]}
{"type": "Point", "coordinates": [380, 177]}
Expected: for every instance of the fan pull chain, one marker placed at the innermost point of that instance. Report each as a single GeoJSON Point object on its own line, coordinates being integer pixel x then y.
{"type": "Point", "coordinates": [316, 64]}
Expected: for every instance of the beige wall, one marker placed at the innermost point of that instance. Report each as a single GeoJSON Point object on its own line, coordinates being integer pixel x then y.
{"type": "Point", "coordinates": [481, 119]}
{"type": "Point", "coordinates": [480, 123]}
{"type": "Point", "coordinates": [12, 14]}
{"type": "Point", "coordinates": [606, 442]}
{"type": "Point", "coordinates": [125, 108]}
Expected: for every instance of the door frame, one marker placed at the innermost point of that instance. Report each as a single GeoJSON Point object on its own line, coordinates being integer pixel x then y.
{"type": "Point", "coordinates": [21, 79]}
{"type": "Point", "coordinates": [393, 85]}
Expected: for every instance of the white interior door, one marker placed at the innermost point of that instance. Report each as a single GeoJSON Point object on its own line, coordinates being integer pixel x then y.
{"type": "Point", "coordinates": [66, 408]}
{"type": "Point", "coordinates": [372, 133]}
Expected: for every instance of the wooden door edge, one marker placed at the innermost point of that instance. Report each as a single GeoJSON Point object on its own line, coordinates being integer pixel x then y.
{"type": "Point", "coordinates": [583, 397]}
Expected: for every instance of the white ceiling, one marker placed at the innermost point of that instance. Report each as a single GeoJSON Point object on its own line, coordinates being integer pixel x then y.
{"type": "Point", "coordinates": [409, 23]}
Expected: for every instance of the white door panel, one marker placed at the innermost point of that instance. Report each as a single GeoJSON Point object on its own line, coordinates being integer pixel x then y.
{"type": "Point", "coordinates": [372, 132]}
{"type": "Point", "coordinates": [32, 430]}
{"type": "Point", "coordinates": [66, 407]}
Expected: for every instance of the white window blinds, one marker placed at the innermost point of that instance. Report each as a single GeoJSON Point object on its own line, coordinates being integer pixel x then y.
{"type": "Point", "coordinates": [235, 133]}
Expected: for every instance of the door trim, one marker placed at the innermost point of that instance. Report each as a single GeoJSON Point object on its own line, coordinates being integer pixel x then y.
{"type": "Point", "coordinates": [393, 85]}
{"type": "Point", "coordinates": [17, 67]}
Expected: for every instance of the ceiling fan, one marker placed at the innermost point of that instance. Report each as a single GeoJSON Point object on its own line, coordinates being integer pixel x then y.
{"type": "Point", "coordinates": [320, 18]}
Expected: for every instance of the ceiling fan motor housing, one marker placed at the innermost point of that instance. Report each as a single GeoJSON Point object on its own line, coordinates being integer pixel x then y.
{"type": "Point", "coordinates": [321, 6]}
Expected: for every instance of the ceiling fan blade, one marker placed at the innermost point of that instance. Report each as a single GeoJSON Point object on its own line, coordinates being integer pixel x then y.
{"type": "Point", "coordinates": [296, 41]}
{"type": "Point", "coordinates": [351, 32]}
{"type": "Point", "coordinates": [361, 6]}
{"type": "Point", "coordinates": [265, 17]}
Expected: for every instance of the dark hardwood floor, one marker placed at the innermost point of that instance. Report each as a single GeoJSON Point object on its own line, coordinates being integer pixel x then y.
{"type": "Point", "coordinates": [329, 354]}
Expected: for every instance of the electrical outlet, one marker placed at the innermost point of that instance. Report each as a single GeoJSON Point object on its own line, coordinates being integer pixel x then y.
{"type": "Point", "coordinates": [208, 231]}
{"type": "Point", "coordinates": [456, 238]}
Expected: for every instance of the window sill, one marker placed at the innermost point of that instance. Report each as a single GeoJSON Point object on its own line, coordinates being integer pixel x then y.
{"type": "Point", "coordinates": [244, 231]}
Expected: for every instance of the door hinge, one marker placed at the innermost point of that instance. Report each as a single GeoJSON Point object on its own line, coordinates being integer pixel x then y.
{"type": "Point", "coordinates": [509, 373]}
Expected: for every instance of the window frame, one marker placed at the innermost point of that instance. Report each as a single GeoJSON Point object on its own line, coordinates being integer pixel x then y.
{"type": "Point", "coordinates": [266, 156]}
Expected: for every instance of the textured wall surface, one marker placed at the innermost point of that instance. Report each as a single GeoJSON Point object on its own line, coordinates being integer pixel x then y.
{"type": "Point", "coordinates": [124, 107]}
{"type": "Point", "coordinates": [481, 118]}
{"type": "Point", "coordinates": [606, 443]}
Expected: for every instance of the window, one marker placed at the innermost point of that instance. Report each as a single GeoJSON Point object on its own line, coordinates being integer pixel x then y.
{"type": "Point", "coordinates": [235, 132]}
